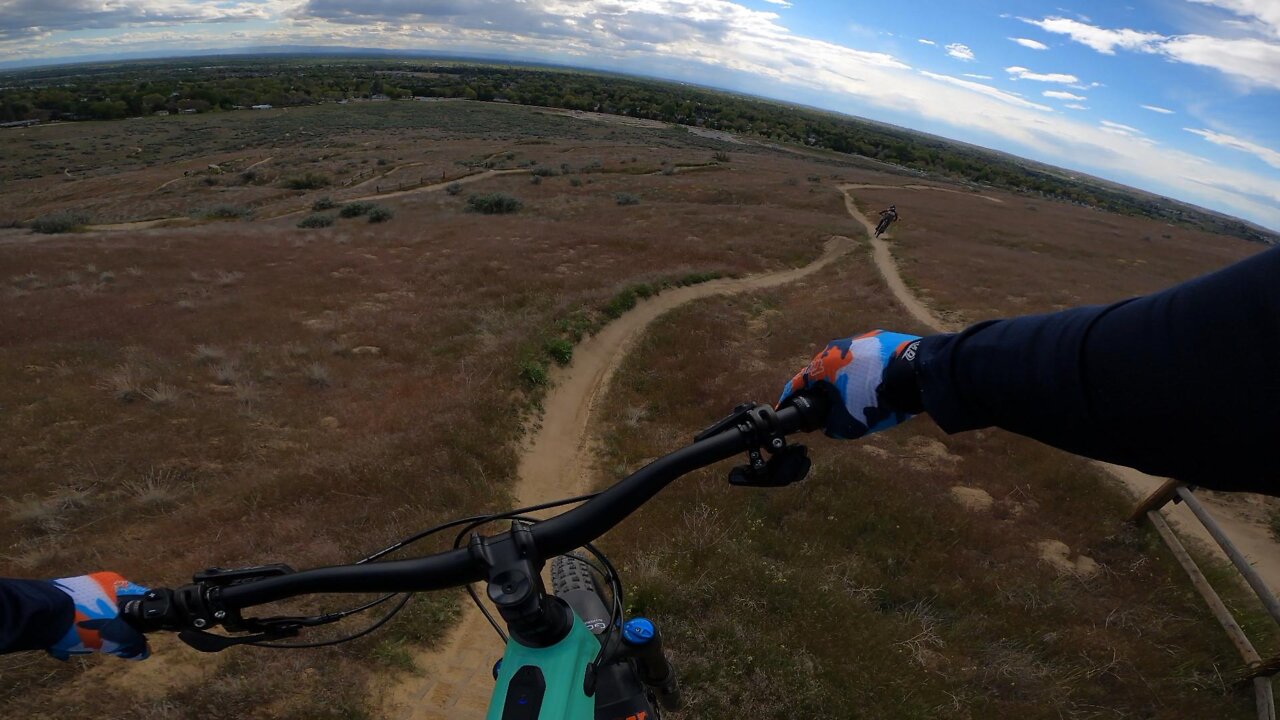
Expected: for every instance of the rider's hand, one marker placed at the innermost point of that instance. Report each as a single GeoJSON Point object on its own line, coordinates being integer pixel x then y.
{"type": "Point", "coordinates": [97, 626]}
{"type": "Point", "coordinates": [870, 379]}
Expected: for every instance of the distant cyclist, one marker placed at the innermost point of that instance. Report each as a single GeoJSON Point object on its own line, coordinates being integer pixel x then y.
{"type": "Point", "coordinates": [887, 218]}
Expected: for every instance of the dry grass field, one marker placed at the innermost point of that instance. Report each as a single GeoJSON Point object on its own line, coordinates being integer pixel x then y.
{"type": "Point", "coordinates": [226, 388]}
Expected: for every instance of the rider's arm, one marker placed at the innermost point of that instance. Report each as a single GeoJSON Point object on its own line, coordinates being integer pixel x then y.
{"type": "Point", "coordinates": [1182, 383]}
{"type": "Point", "coordinates": [34, 614]}
{"type": "Point", "coordinates": [69, 616]}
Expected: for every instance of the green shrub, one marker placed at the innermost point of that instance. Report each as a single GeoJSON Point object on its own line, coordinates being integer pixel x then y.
{"type": "Point", "coordinates": [535, 180]}
{"type": "Point", "coordinates": [453, 188]}
{"type": "Point", "coordinates": [696, 278]}
{"type": "Point", "coordinates": [494, 204]}
{"type": "Point", "coordinates": [534, 373]}
{"type": "Point", "coordinates": [575, 182]}
{"type": "Point", "coordinates": [560, 350]}
{"type": "Point", "coordinates": [620, 303]}
{"type": "Point", "coordinates": [324, 203]}
{"type": "Point", "coordinates": [721, 157]}
{"type": "Point", "coordinates": [307, 181]}
{"type": "Point", "coordinates": [576, 325]}
{"type": "Point", "coordinates": [623, 198]}
{"type": "Point", "coordinates": [380, 214]}
{"type": "Point", "coordinates": [316, 221]}
{"type": "Point", "coordinates": [645, 290]}
{"type": "Point", "coordinates": [356, 209]}
{"type": "Point", "coordinates": [544, 171]}
{"type": "Point", "coordinates": [60, 222]}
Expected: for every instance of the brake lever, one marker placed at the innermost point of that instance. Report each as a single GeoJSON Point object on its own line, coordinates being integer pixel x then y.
{"type": "Point", "coordinates": [786, 464]}
{"type": "Point", "coordinates": [209, 643]}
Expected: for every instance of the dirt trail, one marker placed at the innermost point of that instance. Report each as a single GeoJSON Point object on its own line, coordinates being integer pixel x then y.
{"type": "Point", "coordinates": [378, 178]}
{"type": "Point", "coordinates": [143, 224]}
{"type": "Point", "coordinates": [260, 162]}
{"type": "Point", "coordinates": [887, 266]}
{"type": "Point", "coordinates": [1237, 516]}
{"type": "Point", "coordinates": [433, 187]}
{"type": "Point", "coordinates": [456, 680]}
{"type": "Point", "coordinates": [184, 220]}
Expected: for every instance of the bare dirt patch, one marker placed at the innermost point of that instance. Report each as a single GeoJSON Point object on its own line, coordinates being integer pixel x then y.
{"type": "Point", "coordinates": [1057, 554]}
{"type": "Point", "coordinates": [972, 498]}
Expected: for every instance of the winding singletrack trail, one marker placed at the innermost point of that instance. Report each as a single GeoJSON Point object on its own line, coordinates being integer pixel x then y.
{"type": "Point", "coordinates": [887, 266]}
{"type": "Point", "coordinates": [455, 680]}
{"type": "Point", "coordinates": [179, 220]}
{"type": "Point", "coordinates": [1239, 517]}
{"type": "Point", "coordinates": [430, 187]}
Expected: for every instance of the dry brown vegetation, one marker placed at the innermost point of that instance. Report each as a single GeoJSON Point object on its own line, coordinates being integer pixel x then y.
{"type": "Point", "coordinates": [237, 392]}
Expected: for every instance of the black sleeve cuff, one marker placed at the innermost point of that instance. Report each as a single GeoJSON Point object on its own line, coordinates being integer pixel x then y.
{"type": "Point", "coordinates": [34, 614]}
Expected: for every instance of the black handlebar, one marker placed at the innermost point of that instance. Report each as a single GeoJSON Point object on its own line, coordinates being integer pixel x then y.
{"type": "Point", "coordinates": [212, 599]}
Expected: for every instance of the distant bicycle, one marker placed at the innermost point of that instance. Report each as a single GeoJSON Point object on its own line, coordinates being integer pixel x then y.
{"type": "Point", "coordinates": [886, 219]}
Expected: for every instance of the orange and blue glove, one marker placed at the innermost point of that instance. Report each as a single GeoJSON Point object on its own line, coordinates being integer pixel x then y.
{"type": "Point", "coordinates": [97, 625]}
{"type": "Point", "coordinates": [870, 380]}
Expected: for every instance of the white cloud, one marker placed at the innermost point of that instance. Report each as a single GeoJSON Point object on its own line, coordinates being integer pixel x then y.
{"type": "Point", "coordinates": [960, 51]}
{"type": "Point", "coordinates": [783, 3]}
{"type": "Point", "coordinates": [1262, 152]}
{"type": "Point", "coordinates": [1101, 39]}
{"type": "Point", "coordinates": [1126, 129]}
{"type": "Point", "coordinates": [1062, 95]}
{"type": "Point", "coordinates": [37, 18]}
{"type": "Point", "coordinates": [1021, 73]}
{"type": "Point", "coordinates": [922, 41]}
{"type": "Point", "coordinates": [1253, 62]}
{"type": "Point", "coordinates": [1157, 109]}
{"type": "Point", "coordinates": [1076, 106]}
{"type": "Point", "coordinates": [976, 76]}
{"type": "Point", "coordinates": [987, 90]}
{"type": "Point", "coordinates": [1029, 43]}
{"type": "Point", "coordinates": [1266, 13]}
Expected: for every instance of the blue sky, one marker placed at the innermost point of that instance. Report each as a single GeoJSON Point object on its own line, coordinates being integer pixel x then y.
{"type": "Point", "coordinates": [1181, 97]}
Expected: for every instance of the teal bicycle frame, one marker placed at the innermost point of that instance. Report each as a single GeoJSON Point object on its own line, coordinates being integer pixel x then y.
{"type": "Point", "coordinates": [563, 667]}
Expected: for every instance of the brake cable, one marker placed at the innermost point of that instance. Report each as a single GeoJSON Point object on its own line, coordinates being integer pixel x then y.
{"type": "Point", "coordinates": [611, 576]}
{"type": "Point", "coordinates": [329, 618]}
